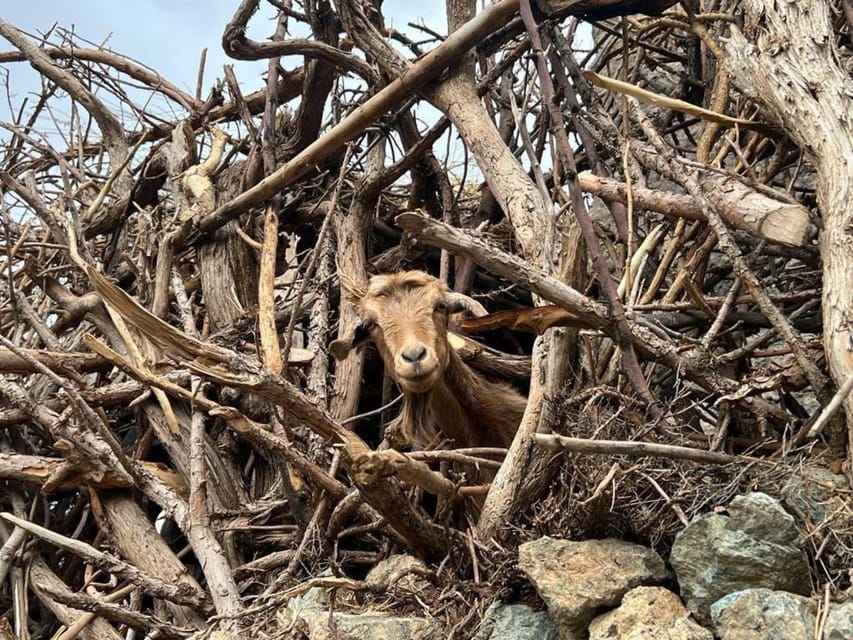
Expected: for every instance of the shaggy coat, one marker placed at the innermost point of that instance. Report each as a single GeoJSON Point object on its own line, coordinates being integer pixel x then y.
{"type": "Point", "coordinates": [406, 315]}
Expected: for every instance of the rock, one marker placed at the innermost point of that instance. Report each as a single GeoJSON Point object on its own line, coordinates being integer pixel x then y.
{"type": "Point", "coordinates": [310, 614]}
{"type": "Point", "coordinates": [839, 622]}
{"type": "Point", "coordinates": [761, 516]}
{"type": "Point", "coordinates": [763, 614]}
{"type": "Point", "coordinates": [755, 546]}
{"type": "Point", "coordinates": [314, 598]}
{"type": "Point", "coordinates": [648, 613]}
{"type": "Point", "coordinates": [600, 214]}
{"type": "Point", "coordinates": [401, 571]}
{"type": "Point", "coordinates": [376, 626]}
{"type": "Point", "coordinates": [516, 622]}
{"type": "Point", "coordinates": [812, 494]}
{"type": "Point", "coordinates": [577, 579]}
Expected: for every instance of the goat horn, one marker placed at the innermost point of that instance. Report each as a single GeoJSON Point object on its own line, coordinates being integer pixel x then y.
{"type": "Point", "coordinates": [460, 302]}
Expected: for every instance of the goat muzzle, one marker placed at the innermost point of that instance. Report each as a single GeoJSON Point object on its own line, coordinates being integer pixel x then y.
{"type": "Point", "coordinates": [416, 368]}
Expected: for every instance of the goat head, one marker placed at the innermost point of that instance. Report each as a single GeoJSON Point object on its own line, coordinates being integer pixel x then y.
{"type": "Point", "coordinates": [405, 314]}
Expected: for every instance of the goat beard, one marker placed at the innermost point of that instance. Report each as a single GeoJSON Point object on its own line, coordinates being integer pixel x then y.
{"type": "Point", "coordinates": [414, 428]}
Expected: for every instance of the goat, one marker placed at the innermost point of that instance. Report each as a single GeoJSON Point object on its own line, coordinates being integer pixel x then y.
{"type": "Point", "coordinates": [406, 315]}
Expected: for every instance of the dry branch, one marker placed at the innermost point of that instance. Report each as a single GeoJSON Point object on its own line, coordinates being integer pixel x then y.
{"type": "Point", "coordinates": [180, 593]}
{"type": "Point", "coordinates": [40, 470]}
{"type": "Point", "coordinates": [47, 585]}
{"type": "Point", "coordinates": [594, 314]}
{"type": "Point", "coordinates": [634, 449]}
{"type": "Point", "coordinates": [111, 129]}
{"type": "Point", "coordinates": [137, 71]}
{"type": "Point", "coordinates": [208, 433]}
{"type": "Point", "coordinates": [740, 206]}
{"type": "Point", "coordinates": [114, 612]}
{"type": "Point", "coordinates": [819, 124]}
{"type": "Point", "coordinates": [317, 153]}
{"type": "Point", "coordinates": [60, 362]}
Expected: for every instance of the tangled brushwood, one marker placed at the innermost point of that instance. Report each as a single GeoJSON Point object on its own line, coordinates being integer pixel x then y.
{"type": "Point", "coordinates": [649, 200]}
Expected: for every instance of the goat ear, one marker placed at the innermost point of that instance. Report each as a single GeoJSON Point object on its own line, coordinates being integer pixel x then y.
{"type": "Point", "coordinates": [460, 303]}
{"type": "Point", "coordinates": [340, 348]}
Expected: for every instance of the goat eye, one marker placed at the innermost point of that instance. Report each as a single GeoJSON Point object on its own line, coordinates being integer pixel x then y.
{"type": "Point", "coordinates": [440, 307]}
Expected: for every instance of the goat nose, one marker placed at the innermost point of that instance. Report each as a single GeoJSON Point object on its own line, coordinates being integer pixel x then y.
{"type": "Point", "coordinates": [414, 354]}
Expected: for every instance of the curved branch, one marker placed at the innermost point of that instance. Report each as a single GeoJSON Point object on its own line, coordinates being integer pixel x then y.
{"type": "Point", "coordinates": [111, 129]}
{"type": "Point", "coordinates": [116, 61]}
{"type": "Point", "coordinates": [238, 46]}
{"type": "Point", "coordinates": [421, 72]}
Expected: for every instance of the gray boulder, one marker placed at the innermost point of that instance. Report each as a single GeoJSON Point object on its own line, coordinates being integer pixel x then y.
{"type": "Point", "coordinates": [839, 622]}
{"type": "Point", "coordinates": [755, 546]}
{"type": "Point", "coordinates": [399, 572]}
{"type": "Point", "coordinates": [577, 579]}
{"type": "Point", "coordinates": [648, 613]}
{"type": "Point", "coordinates": [762, 614]}
{"type": "Point", "coordinates": [516, 622]}
{"type": "Point", "coordinates": [376, 626]}
{"type": "Point", "coordinates": [815, 493]}
{"type": "Point", "coordinates": [310, 614]}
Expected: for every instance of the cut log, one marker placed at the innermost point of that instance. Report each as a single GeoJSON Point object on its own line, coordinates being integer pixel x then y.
{"type": "Point", "coordinates": [741, 206]}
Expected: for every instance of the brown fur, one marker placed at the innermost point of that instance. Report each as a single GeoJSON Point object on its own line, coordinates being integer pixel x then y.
{"type": "Point", "coordinates": [406, 315]}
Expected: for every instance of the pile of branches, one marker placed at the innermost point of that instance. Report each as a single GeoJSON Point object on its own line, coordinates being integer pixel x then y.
{"type": "Point", "coordinates": [652, 198]}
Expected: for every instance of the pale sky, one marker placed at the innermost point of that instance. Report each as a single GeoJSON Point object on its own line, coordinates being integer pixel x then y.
{"type": "Point", "coordinates": [166, 35]}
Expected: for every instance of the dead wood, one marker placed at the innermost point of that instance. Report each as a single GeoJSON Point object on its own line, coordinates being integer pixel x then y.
{"type": "Point", "coordinates": [740, 206]}
{"type": "Point", "coordinates": [39, 470]}
{"type": "Point", "coordinates": [653, 210]}
{"type": "Point", "coordinates": [47, 585]}
{"type": "Point", "coordinates": [175, 592]}
{"type": "Point", "coordinates": [611, 447]}
{"type": "Point", "coordinates": [821, 128]}
{"type": "Point", "coordinates": [61, 362]}
{"type": "Point", "coordinates": [113, 612]}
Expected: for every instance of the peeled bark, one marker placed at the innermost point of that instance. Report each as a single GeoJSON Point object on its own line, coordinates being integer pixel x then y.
{"type": "Point", "coordinates": [352, 232]}
{"type": "Point", "coordinates": [515, 192]}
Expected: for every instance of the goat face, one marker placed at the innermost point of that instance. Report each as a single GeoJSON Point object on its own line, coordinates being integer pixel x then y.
{"type": "Point", "coordinates": [405, 314]}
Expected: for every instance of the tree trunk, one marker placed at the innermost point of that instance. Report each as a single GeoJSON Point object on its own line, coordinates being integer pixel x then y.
{"type": "Point", "coordinates": [138, 541]}
{"type": "Point", "coordinates": [790, 64]}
